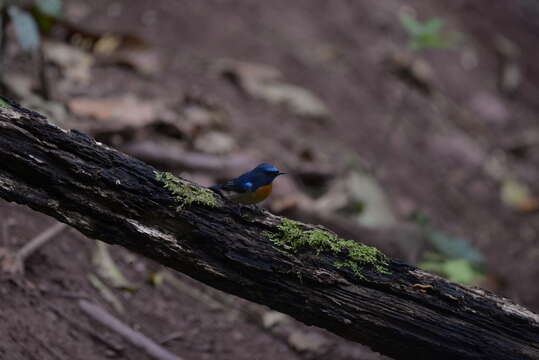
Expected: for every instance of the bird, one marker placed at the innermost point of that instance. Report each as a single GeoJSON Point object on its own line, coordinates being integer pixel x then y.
{"type": "Point", "coordinates": [252, 187]}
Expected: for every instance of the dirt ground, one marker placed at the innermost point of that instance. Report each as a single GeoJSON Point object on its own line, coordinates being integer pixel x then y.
{"type": "Point", "coordinates": [432, 147]}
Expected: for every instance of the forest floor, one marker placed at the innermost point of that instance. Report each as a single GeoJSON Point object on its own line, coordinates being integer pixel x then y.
{"type": "Point", "coordinates": [446, 135]}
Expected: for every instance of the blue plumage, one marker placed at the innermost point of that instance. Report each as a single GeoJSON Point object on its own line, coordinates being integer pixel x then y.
{"type": "Point", "coordinates": [260, 178]}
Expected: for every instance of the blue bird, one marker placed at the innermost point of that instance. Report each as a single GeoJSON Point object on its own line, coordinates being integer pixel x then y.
{"type": "Point", "coordinates": [253, 186]}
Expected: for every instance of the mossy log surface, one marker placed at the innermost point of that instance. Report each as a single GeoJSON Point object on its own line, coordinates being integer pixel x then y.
{"type": "Point", "coordinates": [400, 311]}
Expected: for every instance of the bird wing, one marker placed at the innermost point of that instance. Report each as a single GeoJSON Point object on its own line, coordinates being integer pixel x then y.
{"type": "Point", "coordinates": [237, 186]}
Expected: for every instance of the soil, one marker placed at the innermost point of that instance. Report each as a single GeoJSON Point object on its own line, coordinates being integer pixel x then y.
{"type": "Point", "coordinates": [428, 149]}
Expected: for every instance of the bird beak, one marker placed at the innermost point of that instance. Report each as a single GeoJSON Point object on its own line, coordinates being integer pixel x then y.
{"type": "Point", "coordinates": [281, 173]}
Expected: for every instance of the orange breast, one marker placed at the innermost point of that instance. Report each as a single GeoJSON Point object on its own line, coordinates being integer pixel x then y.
{"type": "Point", "coordinates": [256, 196]}
{"type": "Point", "coordinates": [262, 192]}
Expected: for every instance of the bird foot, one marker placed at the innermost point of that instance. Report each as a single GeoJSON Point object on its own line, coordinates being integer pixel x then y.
{"type": "Point", "coordinates": [257, 210]}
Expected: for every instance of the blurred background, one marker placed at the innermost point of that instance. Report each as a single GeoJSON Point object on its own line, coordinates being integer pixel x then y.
{"type": "Point", "coordinates": [409, 125]}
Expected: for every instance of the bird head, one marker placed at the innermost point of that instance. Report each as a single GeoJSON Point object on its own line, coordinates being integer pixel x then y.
{"type": "Point", "coordinates": [269, 171]}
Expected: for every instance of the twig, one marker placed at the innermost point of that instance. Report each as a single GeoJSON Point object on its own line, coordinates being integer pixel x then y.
{"type": "Point", "coordinates": [63, 294]}
{"type": "Point", "coordinates": [40, 240]}
{"type": "Point", "coordinates": [14, 263]}
{"type": "Point", "coordinates": [112, 346]}
{"type": "Point", "coordinates": [106, 293]}
{"type": "Point", "coordinates": [134, 337]}
{"type": "Point", "coordinates": [171, 337]}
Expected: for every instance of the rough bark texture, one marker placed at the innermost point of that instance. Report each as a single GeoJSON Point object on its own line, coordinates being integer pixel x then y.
{"type": "Point", "coordinates": [407, 314]}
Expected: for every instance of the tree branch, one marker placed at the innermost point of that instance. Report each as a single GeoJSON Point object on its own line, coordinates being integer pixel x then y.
{"type": "Point", "coordinates": [295, 268]}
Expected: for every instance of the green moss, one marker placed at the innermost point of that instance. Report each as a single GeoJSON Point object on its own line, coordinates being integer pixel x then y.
{"type": "Point", "coordinates": [293, 237]}
{"type": "Point", "coordinates": [4, 104]}
{"type": "Point", "coordinates": [186, 194]}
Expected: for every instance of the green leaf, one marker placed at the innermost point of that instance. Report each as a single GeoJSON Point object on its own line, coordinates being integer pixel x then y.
{"type": "Point", "coordinates": [460, 271]}
{"type": "Point", "coordinates": [432, 266]}
{"type": "Point", "coordinates": [428, 34]}
{"type": "Point", "coordinates": [25, 28]}
{"type": "Point", "coordinates": [50, 7]}
{"type": "Point", "coordinates": [457, 270]}
{"type": "Point", "coordinates": [432, 26]}
{"type": "Point", "coordinates": [411, 25]}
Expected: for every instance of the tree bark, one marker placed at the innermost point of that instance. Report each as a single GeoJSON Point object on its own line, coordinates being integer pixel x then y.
{"type": "Point", "coordinates": [405, 313]}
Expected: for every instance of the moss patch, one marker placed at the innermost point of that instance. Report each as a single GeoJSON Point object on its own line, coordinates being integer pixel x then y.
{"type": "Point", "coordinates": [186, 194]}
{"type": "Point", "coordinates": [4, 104]}
{"type": "Point", "coordinates": [292, 237]}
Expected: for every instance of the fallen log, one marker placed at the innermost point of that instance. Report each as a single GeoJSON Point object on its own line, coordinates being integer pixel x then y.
{"type": "Point", "coordinates": [298, 269]}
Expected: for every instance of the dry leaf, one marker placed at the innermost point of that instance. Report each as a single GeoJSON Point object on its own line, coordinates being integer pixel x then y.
{"type": "Point", "coordinates": [310, 342]}
{"type": "Point", "coordinates": [74, 63]}
{"type": "Point", "coordinates": [116, 112]}
{"type": "Point", "coordinates": [106, 293]}
{"type": "Point", "coordinates": [361, 196]}
{"type": "Point", "coordinates": [107, 269]}
{"type": "Point", "coordinates": [22, 86]}
{"type": "Point", "coordinates": [215, 142]}
{"type": "Point", "coordinates": [266, 83]}
{"type": "Point", "coordinates": [146, 62]}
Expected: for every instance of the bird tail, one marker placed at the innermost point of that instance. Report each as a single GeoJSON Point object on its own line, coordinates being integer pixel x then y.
{"type": "Point", "coordinates": [229, 186]}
